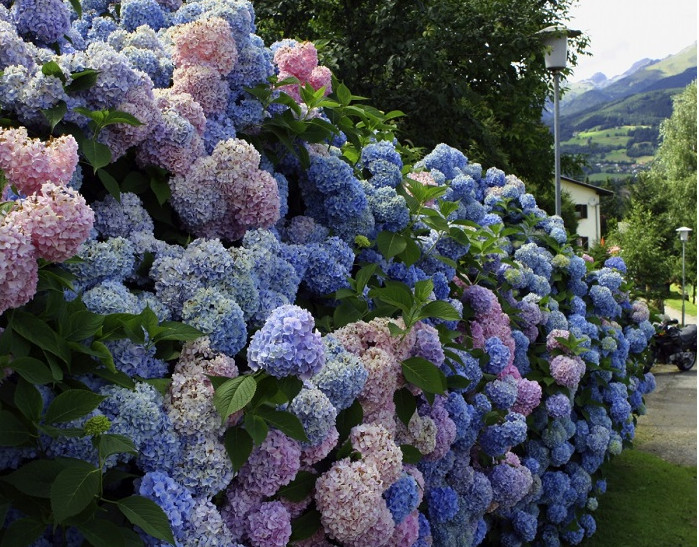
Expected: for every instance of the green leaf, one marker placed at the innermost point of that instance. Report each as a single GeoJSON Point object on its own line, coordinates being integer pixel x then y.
{"type": "Point", "coordinates": [395, 293]}
{"type": "Point", "coordinates": [364, 275]}
{"type": "Point", "coordinates": [97, 154]}
{"type": "Point", "coordinates": [39, 333]}
{"type": "Point", "coordinates": [51, 68]}
{"type": "Point", "coordinates": [425, 375]}
{"type": "Point", "coordinates": [410, 454]}
{"type": "Point", "coordinates": [148, 516]}
{"type": "Point", "coordinates": [160, 384]}
{"type": "Point", "coordinates": [77, 7]}
{"type": "Point", "coordinates": [305, 526]}
{"type": "Point", "coordinates": [286, 422]}
{"type": "Point", "coordinates": [390, 244]}
{"type": "Point", "coordinates": [105, 356]}
{"type": "Point", "coordinates": [440, 310]}
{"type": "Point", "coordinates": [406, 405]}
{"type": "Point", "coordinates": [73, 490]}
{"type": "Point", "coordinates": [348, 418]}
{"type": "Point", "coordinates": [349, 311]}
{"type": "Point", "coordinates": [35, 478]}
{"type": "Point", "coordinates": [82, 325]}
{"type": "Point", "coordinates": [102, 532]}
{"type": "Point", "coordinates": [456, 381]}
{"type": "Point", "coordinates": [72, 404]}
{"type": "Point", "coordinates": [110, 184]}
{"type": "Point", "coordinates": [299, 488]}
{"type": "Point", "coordinates": [28, 400]}
{"type": "Point", "coordinates": [423, 289]}
{"type": "Point", "coordinates": [290, 386]}
{"type": "Point", "coordinates": [32, 370]}
{"type": "Point", "coordinates": [343, 94]}
{"type": "Point", "coordinates": [256, 427]}
{"type": "Point", "coordinates": [82, 80]}
{"type": "Point", "coordinates": [412, 252]}
{"type": "Point", "coordinates": [234, 394]}
{"type": "Point", "coordinates": [23, 532]}
{"type": "Point", "coordinates": [161, 189]}
{"type": "Point", "coordinates": [55, 114]}
{"type": "Point", "coordinates": [238, 443]}
{"type": "Point", "coordinates": [12, 431]}
{"type": "Point", "coordinates": [173, 330]}
{"type": "Point", "coordinates": [109, 443]}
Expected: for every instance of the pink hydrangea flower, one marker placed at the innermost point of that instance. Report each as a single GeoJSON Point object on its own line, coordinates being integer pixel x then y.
{"type": "Point", "coordinates": [206, 42]}
{"type": "Point", "coordinates": [272, 464]}
{"type": "Point", "coordinates": [269, 526]}
{"type": "Point", "coordinates": [407, 532]}
{"type": "Point", "coordinates": [58, 220]}
{"type": "Point", "coordinates": [184, 104]}
{"type": "Point", "coordinates": [382, 380]}
{"type": "Point", "coordinates": [567, 371]}
{"type": "Point", "coordinates": [29, 163]}
{"type": "Point", "coordinates": [204, 84]}
{"type": "Point", "coordinates": [379, 533]}
{"type": "Point", "coordinates": [348, 497]}
{"type": "Point", "coordinates": [18, 267]}
{"type": "Point", "coordinates": [528, 396]}
{"type": "Point", "coordinates": [552, 343]}
{"type": "Point", "coordinates": [376, 445]}
{"type": "Point", "coordinates": [313, 454]}
{"type": "Point", "coordinates": [300, 61]}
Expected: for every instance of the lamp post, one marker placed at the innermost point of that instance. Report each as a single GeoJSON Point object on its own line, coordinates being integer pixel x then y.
{"type": "Point", "coordinates": [684, 236]}
{"type": "Point", "coordinates": [555, 40]}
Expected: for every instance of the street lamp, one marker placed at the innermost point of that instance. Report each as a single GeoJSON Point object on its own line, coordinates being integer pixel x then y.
{"type": "Point", "coordinates": [684, 236]}
{"type": "Point", "coordinates": [556, 55]}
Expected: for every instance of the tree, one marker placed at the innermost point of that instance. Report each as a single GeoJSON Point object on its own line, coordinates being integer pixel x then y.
{"type": "Point", "coordinates": [675, 173]}
{"type": "Point", "coordinates": [469, 73]}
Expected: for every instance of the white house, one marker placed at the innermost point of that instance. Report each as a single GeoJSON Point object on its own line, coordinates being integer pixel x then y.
{"type": "Point", "coordinates": [586, 198]}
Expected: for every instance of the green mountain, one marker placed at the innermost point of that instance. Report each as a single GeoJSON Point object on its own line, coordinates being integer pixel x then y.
{"type": "Point", "coordinates": [615, 122]}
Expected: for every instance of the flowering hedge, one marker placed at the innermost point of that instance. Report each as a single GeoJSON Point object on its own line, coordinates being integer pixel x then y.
{"type": "Point", "coordinates": [234, 313]}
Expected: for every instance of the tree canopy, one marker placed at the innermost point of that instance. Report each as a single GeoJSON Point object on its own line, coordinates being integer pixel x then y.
{"type": "Point", "coordinates": [469, 73]}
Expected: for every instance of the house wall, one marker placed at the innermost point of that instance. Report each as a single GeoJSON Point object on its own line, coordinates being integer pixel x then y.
{"type": "Point", "coordinates": [580, 195]}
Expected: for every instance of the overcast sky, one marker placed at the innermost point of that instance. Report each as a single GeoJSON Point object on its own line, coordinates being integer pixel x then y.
{"type": "Point", "coordinates": [624, 31]}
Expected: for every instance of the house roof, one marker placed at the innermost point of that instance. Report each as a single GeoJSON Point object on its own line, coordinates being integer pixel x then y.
{"type": "Point", "coordinates": [600, 191]}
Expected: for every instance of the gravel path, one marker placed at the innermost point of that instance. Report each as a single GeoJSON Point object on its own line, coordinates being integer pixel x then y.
{"type": "Point", "coordinates": [669, 428]}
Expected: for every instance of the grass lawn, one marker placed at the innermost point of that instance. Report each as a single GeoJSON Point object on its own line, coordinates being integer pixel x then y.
{"type": "Point", "coordinates": [675, 302]}
{"type": "Point", "coordinates": [649, 503]}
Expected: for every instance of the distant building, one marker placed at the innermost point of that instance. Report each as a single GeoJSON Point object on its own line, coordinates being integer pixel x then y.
{"type": "Point", "coordinates": [586, 198]}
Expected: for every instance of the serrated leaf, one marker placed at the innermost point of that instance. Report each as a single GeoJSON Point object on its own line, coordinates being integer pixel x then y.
{"type": "Point", "coordinates": [110, 184]}
{"type": "Point", "coordinates": [109, 443]}
{"type": "Point", "coordinates": [390, 244]}
{"type": "Point", "coordinates": [52, 68]}
{"type": "Point", "coordinates": [35, 478]}
{"type": "Point", "coordinates": [290, 386]}
{"type": "Point", "coordinates": [238, 443]}
{"type": "Point", "coordinates": [406, 405]}
{"type": "Point", "coordinates": [32, 370]}
{"type": "Point", "coordinates": [55, 114]}
{"type": "Point", "coordinates": [73, 490]}
{"type": "Point", "coordinates": [286, 422]}
{"type": "Point", "coordinates": [148, 516]}
{"type": "Point", "coordinates": [424, 374]}
{"type": "Point", "coordinates": [82, 325]}
{"type": "Point", "coordinates": [299, 488]}
{"type": "Point", "coordinates": [305, 526]}
{"type": "Point", "coordinates": [456, 381]}
{"type": "Point", "coordinates": [439, 309]}
{"type": "Point", "coordinates": [423, 289]}
{"type": "Point", "coordinates": [395, 293]}
{"type": "Point", "coordinates": [82, 80]}
{"type": "Point", "coordinates": [173, 330]}
{"type": "Point", "coordinates": [28, 400]}
{"type": "Point", "coordinates": [39, 333]}
{"type": "Point", "coordinates": [23, 532]}
{"type": "Point", "coordinates": [256, 427]}
{"type": "Point", "coordinates": [77, 7]}
{"type": "Point", "coordinates": [234, 394]}
{"type": "Point", "coordinates": [97, 154]}
{"type": "Point", "coordinates": [411, 254]}
{"type": "Point", "coordinates": [102, 532]}
{"type": "Point", "coordinates": [72, 404]}
{"type": "Point", "coordinates": [411, 455]}
{"type": "Point", "coordinates": [364, 275]}
{"type": "Point", "coordinates": [12, 431]}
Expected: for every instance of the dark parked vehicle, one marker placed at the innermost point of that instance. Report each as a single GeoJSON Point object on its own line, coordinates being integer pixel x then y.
{"type": "Point", "coordinates": [673, 345]}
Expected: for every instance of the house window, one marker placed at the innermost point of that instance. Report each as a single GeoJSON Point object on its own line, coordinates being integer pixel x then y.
{"type": "Point", "coordinates": [584, 242]}
{"type": "Point", "coordinates": [580, 211]}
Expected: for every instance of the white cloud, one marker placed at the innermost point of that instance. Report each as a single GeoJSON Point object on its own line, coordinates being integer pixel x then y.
{"type": "Point", "coordinates": [624, 31]}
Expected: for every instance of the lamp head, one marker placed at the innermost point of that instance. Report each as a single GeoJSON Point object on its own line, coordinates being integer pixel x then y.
{"type": "Point", "coordinates": [684, 233]}
{"type": "Point", "coordinates": [555, 39]}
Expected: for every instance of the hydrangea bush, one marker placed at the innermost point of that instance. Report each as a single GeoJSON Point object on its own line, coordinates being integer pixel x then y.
{"type": "Point", "coordinates": [233, 313]}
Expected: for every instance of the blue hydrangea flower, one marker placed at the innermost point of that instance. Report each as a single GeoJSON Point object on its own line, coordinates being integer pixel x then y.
{"type": "Point", "coordinates": [502, 393]}
{"type": "Point", "coordinates": [442, 504]}
{"type": "Point", "coordinates": [402, 498]}
{"type": "Point", "coordinates": [498, 353]}
{"type": "Point", "coordinates": [287, 344]}
{"type": "Point", "coordinates": [315, 411]}
{"type": "Point", "coordinates": [136, 359]}
{"type": "Point", "coordinates": [343, 376]}
{"type": "Point", "coordinates": [44, 20]}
